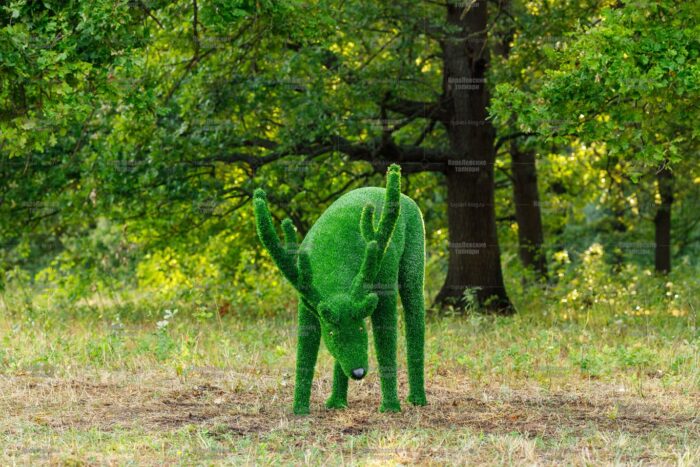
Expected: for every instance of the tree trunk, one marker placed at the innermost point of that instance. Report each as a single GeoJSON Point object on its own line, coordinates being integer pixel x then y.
{"type": "Point", "coordinates": [662, 221]}
{"type": "Point", "coordinates": [525, 193]}
{"type": "Point", "coordinates": [474, 254]}
{"type": "Point", "coordinates": [527, 210]}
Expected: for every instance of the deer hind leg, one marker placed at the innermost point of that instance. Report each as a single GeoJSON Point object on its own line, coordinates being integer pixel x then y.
{"type": "Point", "coordinates": [411, 277]}
{"type": "Point", "coordinates": [309, 339]}
{"type": "Point", "coordinates": [384, 324]}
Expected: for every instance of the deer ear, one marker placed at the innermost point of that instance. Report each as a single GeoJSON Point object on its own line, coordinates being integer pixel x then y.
{"type": "Point", "coordinates": [367, 306]}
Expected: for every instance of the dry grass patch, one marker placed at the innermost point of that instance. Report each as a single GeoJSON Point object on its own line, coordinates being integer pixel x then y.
{"type": "Point", "coordinates": [234, 414]}
{"type": "Point", "coordinates": [531, 389]}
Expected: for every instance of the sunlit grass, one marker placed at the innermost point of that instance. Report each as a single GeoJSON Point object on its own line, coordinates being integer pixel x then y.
{"type": "Point", "coordinates": [609, 374]}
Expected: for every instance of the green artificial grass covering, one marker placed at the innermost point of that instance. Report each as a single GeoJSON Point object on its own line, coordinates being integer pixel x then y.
{"type": "Point", "coordinates": [348, 268]}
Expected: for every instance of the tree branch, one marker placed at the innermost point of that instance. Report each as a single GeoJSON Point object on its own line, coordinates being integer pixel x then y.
{"type": "Point", "coordinates": [379, 152]}
{"type": "Point", "coordinates": [518, 134]}
{"type": "Point", "coordinates": [410, 108]}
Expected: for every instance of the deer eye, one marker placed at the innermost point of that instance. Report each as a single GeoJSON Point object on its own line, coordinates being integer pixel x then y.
{"type": "Point", "coordinates": [330, 333]}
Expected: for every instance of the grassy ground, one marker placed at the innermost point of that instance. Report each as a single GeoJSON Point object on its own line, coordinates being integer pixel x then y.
{"type": "Point", "coordinates": [550, 386]}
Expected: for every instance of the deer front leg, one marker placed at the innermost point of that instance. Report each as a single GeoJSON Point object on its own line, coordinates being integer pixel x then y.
{"type": "Point", "coordinates": [384, 328]}
{"type": "Point", "coordinates": [309, 339]}
{"type": "Point", "coordinates": [339, 395]}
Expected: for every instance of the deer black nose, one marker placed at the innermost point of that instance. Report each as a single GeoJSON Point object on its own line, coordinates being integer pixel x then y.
{"type": "Point", "coordinates": [358, 373]}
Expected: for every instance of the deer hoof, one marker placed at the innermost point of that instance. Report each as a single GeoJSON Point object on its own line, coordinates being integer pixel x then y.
{"type": "Point", "coordinates": [333, 403]}
{"type": "Point", "coordinates": [393, 406]}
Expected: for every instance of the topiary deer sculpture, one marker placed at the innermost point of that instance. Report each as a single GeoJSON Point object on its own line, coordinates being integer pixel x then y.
{"type": "Point", "coordinates": [346, 270]}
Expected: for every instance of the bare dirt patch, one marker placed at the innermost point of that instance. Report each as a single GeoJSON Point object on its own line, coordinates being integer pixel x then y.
{"type": "Point", "coordinates": [230, 405]}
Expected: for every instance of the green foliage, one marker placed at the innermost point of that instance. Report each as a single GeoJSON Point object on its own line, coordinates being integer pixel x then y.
{"type": "Point", "coordinates": [56, 61]}
{"type": "Point", "coordinates": [131, 112]}
{"type": "Point", "coordinates": [630, 80]}
{"type": "Point", "coordinates": [59, 61]}
{"type": "Point", "coordinates": [605, 93]}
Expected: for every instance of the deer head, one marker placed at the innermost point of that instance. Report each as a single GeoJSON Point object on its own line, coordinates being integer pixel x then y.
{"type": "Point", "coordinates": [342, 316]}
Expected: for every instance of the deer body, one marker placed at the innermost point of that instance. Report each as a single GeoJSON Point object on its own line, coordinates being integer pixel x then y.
{"type": "Point", "coordinates": [335, 243]}
{"type": "Point", "coordinates": [348, 268]}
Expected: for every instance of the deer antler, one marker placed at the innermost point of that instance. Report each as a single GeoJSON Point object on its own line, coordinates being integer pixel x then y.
{"type": "Point", "coordinates": [390, 212]}
{"type": "Point", "coordinates": [290, 259]}
{"type": "Point", "coordinates": [368, 270]}
{"type": "Point", "coordinates": [378, 239]}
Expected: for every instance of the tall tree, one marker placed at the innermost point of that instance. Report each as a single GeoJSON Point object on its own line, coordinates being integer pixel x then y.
{"type": "Point", "coordinates": [474, 251]}
{"type": "Point", "coordinates": [525, 36]}
{"type": "Point", "coordinates": [528, 215]}
{"type": "Point", "coordinates": [523, 168]}
{"type": "Point", "coordinates": [631, 81]}
{"type": "Point", "coordinates": [662, 220]}
{"type": "Point", "coordinates": [360, 84]}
